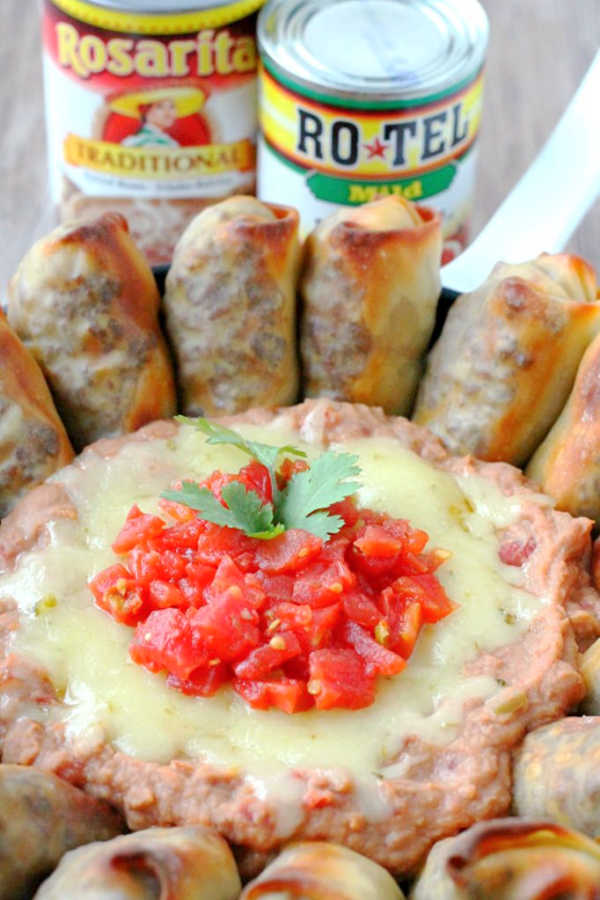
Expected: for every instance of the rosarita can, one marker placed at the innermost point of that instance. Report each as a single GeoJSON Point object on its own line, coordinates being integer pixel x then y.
{"type": "Point", "coordinates": [151, 109]}
{"type": "Point", "coordinates": [364, 98]}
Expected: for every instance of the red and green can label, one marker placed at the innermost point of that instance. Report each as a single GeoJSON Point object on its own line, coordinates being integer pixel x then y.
{"type": "Point", "coordinates": [318, 152]}
{"type": "Point", "coordinates": [145, 108]}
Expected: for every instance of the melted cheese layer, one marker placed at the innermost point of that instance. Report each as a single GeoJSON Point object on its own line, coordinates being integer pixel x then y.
{"type": "Point", "coordinates": [86, 652]}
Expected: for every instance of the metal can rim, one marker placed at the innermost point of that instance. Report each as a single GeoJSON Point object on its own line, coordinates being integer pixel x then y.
{"type": "Point", "coordinates": [297, 73]}
{"type": "Point", "coordinates": [132, 21]}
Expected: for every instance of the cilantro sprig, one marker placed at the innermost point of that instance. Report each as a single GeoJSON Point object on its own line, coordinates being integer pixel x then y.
{"type": "Point", "coordinates": [302, 503]}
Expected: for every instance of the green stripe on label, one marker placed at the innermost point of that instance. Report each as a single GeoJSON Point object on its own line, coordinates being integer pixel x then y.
{"type": "Point", "coordinates": [351, 192]}
{"type": "Point", "coordinates": [351, 102]}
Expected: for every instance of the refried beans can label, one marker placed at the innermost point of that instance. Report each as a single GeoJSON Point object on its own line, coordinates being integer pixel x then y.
{"type": "Point", "coordinates": [366, 98]}
{"type": "Point", "coordinates": [155, 110]}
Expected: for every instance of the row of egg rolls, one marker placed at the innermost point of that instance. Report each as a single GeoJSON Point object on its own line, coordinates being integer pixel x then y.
{"type": "Point", "coordinates": [507, 859]}
{"type": "Point", "coordinates": [85, 306]}
{"type": "Point", "coordinates": [368, 279]}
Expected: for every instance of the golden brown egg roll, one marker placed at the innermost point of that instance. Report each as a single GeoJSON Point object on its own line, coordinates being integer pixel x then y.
{"type": "Point", "coordinates": [370, 286]}
{"type": "Point", "coordinates": [316, 870]}
{"type": "Point", "coordinates": [186, 863]}
{"type": "Point", "coordinates": [556, 771]}
{"type": "Point", "coordinates": [41, 817]}
{"type": "Point", "coordinates": [511, 859]}
{"type": "Point", "coordinates": [567, 462]}
{"type": "Point", "coordinates": [505, 362]}
{"type": "Point", "coordinates": [230, 304]}
{"type": "Point", "coordinates": [33, 440]}
{"type": "Point", "coordinates": [85, 303]}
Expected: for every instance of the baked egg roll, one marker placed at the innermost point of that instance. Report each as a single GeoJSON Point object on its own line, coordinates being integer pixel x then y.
{"type": "Point", "coordinates": [41, 818]}
{"type": "Point", "coordinates": [370, 286]}
{"type": "Point", "coordinates": [511, 859]}
{"type": "Point", "coordinates": [33, 440]}
{"type": "Point", "coordinates": [556, 774]}
{"type": "Point", "coordinates": [316, 870]}
{"type": "Point", "coordinates": [567, 462]}
{"type": "Point", "coordinates": [85, 303]}
{"type": "Point", "coordinates": [230, 304]}
{"type": "Point", "coordinates": [504, 365]}
{"type": "Point", "coordinates": [186, 863]}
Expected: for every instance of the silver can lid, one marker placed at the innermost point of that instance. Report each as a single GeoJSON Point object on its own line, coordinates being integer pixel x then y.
{"type": "Point", "coordinates": [383, 48]}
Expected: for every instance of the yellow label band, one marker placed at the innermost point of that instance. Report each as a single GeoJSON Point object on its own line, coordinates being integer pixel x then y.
{"type": "Point", "coordinates": [379, 144]}
{"type": "Point", "coordinates": [157, 23]}
{"type": "Point", "coordinates": [158, 163]}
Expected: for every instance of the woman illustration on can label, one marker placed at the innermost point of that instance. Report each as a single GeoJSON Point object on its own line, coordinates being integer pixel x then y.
{"type": "Point", "coordinates": [156, 119]}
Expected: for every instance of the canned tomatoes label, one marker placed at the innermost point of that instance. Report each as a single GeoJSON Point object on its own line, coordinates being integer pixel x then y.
{"type": "Point", "coordinates": [150, 106]}
{"type": "Point", "coordinates": [401, 118]}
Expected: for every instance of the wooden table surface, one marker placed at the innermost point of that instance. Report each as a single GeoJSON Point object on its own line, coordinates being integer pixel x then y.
{"type": "Point", "coordinates": [538, 52]}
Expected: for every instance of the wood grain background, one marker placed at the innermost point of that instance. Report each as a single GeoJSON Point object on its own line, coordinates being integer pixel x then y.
{"type": "Point", "coordinates": [539, 51]}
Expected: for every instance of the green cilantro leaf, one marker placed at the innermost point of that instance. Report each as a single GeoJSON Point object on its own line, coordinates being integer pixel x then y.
{"type": "Point", "coordinates": [308, 493]}
{"type": "Point", "coordinates": [219, 434]}
{"type": "Point", "coordinates": [302, 504]}
{"type": "Point", "coordinates": [263, 453]}
{"type": "Point", "coordinates": [245, 511]}
{"type": "Point", "coordinates": [254, 516]}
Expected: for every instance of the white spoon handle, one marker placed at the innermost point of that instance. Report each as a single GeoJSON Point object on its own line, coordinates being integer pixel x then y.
{"type": "Point", "coordinates": [547, 203]}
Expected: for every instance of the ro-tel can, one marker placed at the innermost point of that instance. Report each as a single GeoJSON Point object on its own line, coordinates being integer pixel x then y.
{"type": "Point", "coordinates": [364, 98]}
{"type": "Point", "coordinates": [151, 109]}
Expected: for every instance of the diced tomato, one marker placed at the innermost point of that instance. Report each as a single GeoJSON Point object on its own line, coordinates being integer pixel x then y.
{"type": "Point", "coordinates": [347, 510]}
{"type": "Point", "coordinates": [412, 564]}
{"type": "Point", "coordinates": [435, 604]}
{"type": "Point", "coordinates": [324, 621]}
{"type": "Point", "coordinates": [276, 587]}
{"type": "Point", "coordinates": [197, 578]}
{"type": "Point", "coordinates": [296, 616]}
{"type": "Point", "coordinates": [162, 595]}
{"type": "Point", "coordinates": [216, 542]}
{"type": "Point", "coordinates": [338, 679]}
{"type": "Point", "coordinates": [287, 694]}
{"type": "Point", "coordinates": [377, 660]}
{"type": "Point", "coordinates": [288, 552]}
{"type": "Point", "coordinates": [177, 511]}
{"type": "Point", "coordinates": [229, 579]}
{"type": "Point", "coordinates": [297, 668]}
{"type": "Point", "coordinates": [183, 536]}
{"type": "Point", "coordinates": [405, 624]}
{"type": "Point", "coordinates": [117, 592]}
{"type": "Point", "coordinates": [360, 608]}
{"type": "Point", "coordinates": [202, 682]}
{"type": "Point", "coordinates": [145, 565]}
{"type": "Point", "coordinates": [229, 621]}
{"type": "Point", "coordinates": [257, 478]}
{"type": "Point", "coordinates": [426, 590]}
{"type": "Point", "coordinates": [166, 640]}
{"type": "Point", "coordinates": [415, 540]}
{"type": "Point", "coordinates": [254, 476]}
{"type": "Point", "coordinates": [283, 645]}
{"type": "Point", "coordinates": [288, 468]}
{"type": "Point", "coordinates": [376, 541]}
{"type": "Point", "coordinates": [138, 528]}
{"type": "Point", "coordinates": [292, 623]}
{"type": "Point", "coordinates": [312, 627]}
{"type": "Point", "coordinates": [326, 579]}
